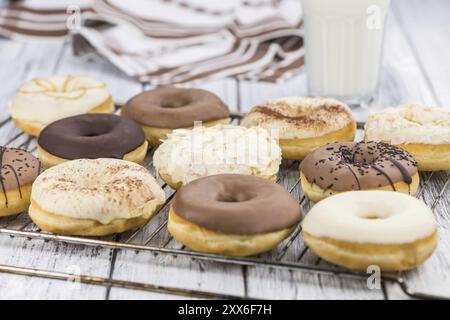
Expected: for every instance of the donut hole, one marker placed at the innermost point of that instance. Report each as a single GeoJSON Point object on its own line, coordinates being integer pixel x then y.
{"type": "Point", "coordinates": [374, 215]}
{"type": "Point", "coordinates": [234, 197]}
{"type": "Point", "coordinates": [174, 104]}
{"type": "Point", "coordinates": [361, 155]}
{"type": "Point", "coordinates": [91, 132]}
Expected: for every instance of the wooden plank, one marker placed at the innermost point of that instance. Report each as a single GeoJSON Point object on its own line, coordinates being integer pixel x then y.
{"type": "Point", "coordinates": [40, 59]}
{"type": "Point", "coordinates": [412, 72]}
{"type": "Point", "coordinates": [426, 25]}
{"type": "Point", "coordinates": [417, 71]}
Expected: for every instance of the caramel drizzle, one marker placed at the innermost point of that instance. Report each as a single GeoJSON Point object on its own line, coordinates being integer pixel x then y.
{"type": "Point", "coordinates": [49, 87]}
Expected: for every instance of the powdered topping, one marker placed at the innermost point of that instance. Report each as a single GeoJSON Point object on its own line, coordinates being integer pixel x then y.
{"type": "Point", "coordinates": [190, 154]}
{"type": "Point", "coordinates": [300, 117]}
{"type": "Point", "coordinates": [100, 189]}
{"type": "Point", "coordinates": [410, 123]}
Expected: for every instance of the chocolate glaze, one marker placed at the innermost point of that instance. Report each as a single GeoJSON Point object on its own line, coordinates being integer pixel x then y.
{"type": "Point", "coordinates": [17, 168]}
{"type": "Point", "coordinates": [174, 108]}
{"type": "Point", "coordinates": [91, 136]}
{"type": "Point", "coordinates": [237, 204]}
{"type": "Point", "coordinates": [345, 166]}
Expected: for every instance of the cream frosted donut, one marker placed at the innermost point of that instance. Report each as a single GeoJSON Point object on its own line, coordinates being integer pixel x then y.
{"type": "Point", "coordinates": [42, 101]}
{"type": "Point", "coordinates": [422, 131]}
{"type": "Point", "coordinates": [357, 229]}
{"type": "Point", "coordinates": [94, 197]}
{"type": "Point", "coordinates": [187, 155]}
{"type": "Point", "coordinates": [303, 123]}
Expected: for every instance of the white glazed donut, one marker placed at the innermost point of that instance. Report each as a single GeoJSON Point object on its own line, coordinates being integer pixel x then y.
{"type": "Point", "coordinates": [42, 101]}
{"type": "Point", "coordinates": [187, 155]}
{"type": "Point", "coordinates": [357, 229]}
{"type": "Point", "coordinates": [94, 197]}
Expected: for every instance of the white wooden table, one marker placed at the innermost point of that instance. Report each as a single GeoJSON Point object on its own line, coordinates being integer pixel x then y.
{"type": "Point", "coordinates": [416, 68]}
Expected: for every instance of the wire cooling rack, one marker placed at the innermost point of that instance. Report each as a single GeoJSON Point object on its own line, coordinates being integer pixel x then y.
{"type": "Point", "coordinates": [154, 237]}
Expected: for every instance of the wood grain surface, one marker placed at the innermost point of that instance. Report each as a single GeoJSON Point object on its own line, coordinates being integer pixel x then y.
{"type": "Point", "coordinates": [416, 68]}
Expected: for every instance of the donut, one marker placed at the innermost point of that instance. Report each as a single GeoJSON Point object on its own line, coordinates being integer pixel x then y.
{"type": "Point", "coordinates": [347, 166]}
{"type": "Point", "coordinates": [91, 136]}
{"type": "Point", "coordinates": [187, 155]}
{"type": "Point", "coordinates": [42, 101]}
{"type": "Point", "coordinates": [303, 123]}
{"type": "Point", "coordinates": [232, 214]}
{"type": "Point", "coordinates": [422, 131]}
{"type": "Point", "coordinates": [162, 110]}
{"type": "Point", "coordinates": [18, 170]}
{"type": "Point", "coordinates": [358, 229]}
{"type": "Point", "coordinates": [94, 197]}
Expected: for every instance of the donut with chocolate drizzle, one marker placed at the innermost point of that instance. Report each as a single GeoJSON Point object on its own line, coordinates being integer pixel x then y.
{"type": "Point", "coordinates": [344, 166]}
{"type": "Point", "coordinates": [18, 170]}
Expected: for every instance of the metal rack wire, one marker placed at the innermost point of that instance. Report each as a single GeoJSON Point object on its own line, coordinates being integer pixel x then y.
{"type": "Point", "coordinates": [156, 239]}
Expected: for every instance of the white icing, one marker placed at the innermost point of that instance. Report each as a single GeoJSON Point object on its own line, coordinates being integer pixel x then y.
{"type": "Point", "coordinates": [102, 190]}
{"type": "Point", "coordinates": [46, 100]}
{"type": "Point", "coordinates": [190, 154]}
{"type": "Point", "coordinates": [409, 124]}
{"type": "Point", "coordinates": [321, 122]}
{"type": "Point", "coordinates": [346, 217]}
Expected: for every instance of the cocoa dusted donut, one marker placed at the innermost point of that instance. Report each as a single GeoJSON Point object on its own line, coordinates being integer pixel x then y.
{"type": "Point", "coordinates": [91, 136]}
{"type": "Point", "coordinates": [232, 214]}
{"type": "Point", "coordinates": [18, 170]}
{"type": "Point", "coordinates": [346, 166]}
{"type": "Point", "coordinates": [303, 123]}
{"type": "Point", "coordinates": [161, 110]}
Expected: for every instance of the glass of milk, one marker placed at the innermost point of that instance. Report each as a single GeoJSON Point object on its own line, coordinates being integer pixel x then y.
{"type": "Point", "coordinates": [344, 41]}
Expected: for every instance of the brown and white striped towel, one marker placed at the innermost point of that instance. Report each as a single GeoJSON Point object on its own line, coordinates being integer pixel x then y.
{"type": "Point", "coordinates": [172, 41]}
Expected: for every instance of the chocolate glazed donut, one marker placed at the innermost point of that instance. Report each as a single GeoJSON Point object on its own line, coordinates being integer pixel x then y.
{"type": "Point", "coordinates": [91, 136]}
{"type": "Point", "coordinates": [161, 110]}
{"type": "Point", "coordinates": [232, 214]}
{"type": "Point", "coordinates": [345, 166]}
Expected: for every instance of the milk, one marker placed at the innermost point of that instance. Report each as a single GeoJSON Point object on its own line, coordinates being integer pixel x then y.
{"type": "Point", "coordinates": [343, 47]}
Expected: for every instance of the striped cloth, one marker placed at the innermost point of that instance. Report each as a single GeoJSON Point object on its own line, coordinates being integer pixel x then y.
{"type": "Point", "coordinates": [172, 41]}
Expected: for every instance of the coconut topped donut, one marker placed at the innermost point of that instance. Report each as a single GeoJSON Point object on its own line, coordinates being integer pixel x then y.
{"type": "Point", "coordinates": [410, 123]}
{"type": "Point", "coordinates": [187, 155]}
{"type": "Point", "coordinates": [422, 131]}
{"type": "Point", "coordinates": [300, 117]}
{"type": "Point", "coordinates": [44, 100]}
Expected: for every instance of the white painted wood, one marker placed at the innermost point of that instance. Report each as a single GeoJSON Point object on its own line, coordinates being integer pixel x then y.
{"type": "Point", "coordinates": [426, 25]}
{"type": "Point", "coordinates": [415, 69]}
{"type": "Point", "coordinates": [39, 58]}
